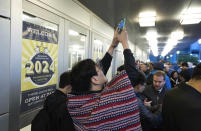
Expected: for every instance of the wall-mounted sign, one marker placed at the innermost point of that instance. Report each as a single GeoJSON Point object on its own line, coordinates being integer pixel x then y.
{"type": "Point", "coordinates": [39, 65]}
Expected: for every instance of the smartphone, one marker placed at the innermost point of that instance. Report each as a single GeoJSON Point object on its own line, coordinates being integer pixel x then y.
{"type": "Point", "coordinates": [121, 25]}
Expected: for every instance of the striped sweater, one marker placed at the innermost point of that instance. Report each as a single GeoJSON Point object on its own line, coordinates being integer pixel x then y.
{"type": "Point", "coordinates": [115, 108]}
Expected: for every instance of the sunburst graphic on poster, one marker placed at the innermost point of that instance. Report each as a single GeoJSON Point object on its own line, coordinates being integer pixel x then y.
{"type": "Point", "coordinates": [39, 64]}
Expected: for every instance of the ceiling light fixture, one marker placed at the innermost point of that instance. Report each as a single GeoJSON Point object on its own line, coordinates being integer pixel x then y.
{"type": "Point", "coordinates": [178, 52]}
{"type": "Point", "coordinates": [147, 18]}
{"type": "Point", "coordinates": [191, 16]}
{"type": "Point", "coordinates": [177, 35]}
{"type": "Point", "coordinates": [199, 41]}
{"type": "Point", "coordinates": [151, 37]}
{"type": "Point", "coordinates": [169, 46]}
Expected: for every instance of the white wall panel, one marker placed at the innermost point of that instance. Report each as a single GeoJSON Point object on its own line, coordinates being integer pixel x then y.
{"type": "Point", "coordinates": [131, 46]}
{"type": "Point", "coordinates": [39, 12]}
{"type": "Point", "coordinates": [15, 64]}
{"type": "Point", "coordinates": [70, 8]}
{"type": "Point", "coordinates": [4, 122]}
{"type": "Point", "coordinates": [4, 70]}
{"type": "Point", "coordinates": [102, 27]}
{"type": "Point", "coordinates": [5, 8]}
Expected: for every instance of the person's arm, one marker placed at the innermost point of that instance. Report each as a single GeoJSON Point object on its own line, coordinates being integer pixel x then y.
{"type": "Point", "coordinates": [154, 118]}
{"type": "Point", "coordinates": [129, 60]}
{"type": "Point", "coordinates": [107, 59]}
{"type": "Point", "coordinates": [130, 66]}
{"type": "Point", "coordinates": [106, 62]}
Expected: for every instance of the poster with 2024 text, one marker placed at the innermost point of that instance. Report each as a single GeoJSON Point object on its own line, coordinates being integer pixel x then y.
{"type": "Point", "coordinates": [39, 65]}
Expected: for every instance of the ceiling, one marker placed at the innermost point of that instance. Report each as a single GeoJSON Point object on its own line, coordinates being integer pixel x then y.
{"type": "Point", "coordinates": [168, 19]}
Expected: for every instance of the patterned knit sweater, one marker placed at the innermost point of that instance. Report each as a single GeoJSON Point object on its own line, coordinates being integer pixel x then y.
{"type": "Point", "coordinates": [115, 108]}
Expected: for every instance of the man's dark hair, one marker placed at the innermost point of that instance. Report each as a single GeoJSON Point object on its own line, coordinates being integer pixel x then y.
{"type": "Point", "coordinates": [65, 79]}
{"type": "Point", "coordinates": [184, 64]}
{"type": "Point", "coordinates": [185, 74]}
{"type": "Point", "coordinates": [197, 72]}
{"type": "Point", "coordinates": [159, 73]}
{"type": "Point", "coordinates": [81, 76]}
{"type": "Point", "coordinates": [141, 79]}
{"type": "Point", "coordinates": [121, 68]}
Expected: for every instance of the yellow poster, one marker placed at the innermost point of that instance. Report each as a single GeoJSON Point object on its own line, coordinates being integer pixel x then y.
{"type": "Point", "coordinates": [39, 66]}
{"type": "Point", "coordinates": [40, 60]}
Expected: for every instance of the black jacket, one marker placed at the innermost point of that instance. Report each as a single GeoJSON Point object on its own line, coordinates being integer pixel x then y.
{"type": "Point", "coordinates": [182, 109]}
{"type": "Point", "coordinates": [130, 66]}
{"type": "Point", "coordinates": [148, 119]}
{"type": "Point", "coordinates": [60, 119]}
{"type": "Point", "coordinates": [152, 95]}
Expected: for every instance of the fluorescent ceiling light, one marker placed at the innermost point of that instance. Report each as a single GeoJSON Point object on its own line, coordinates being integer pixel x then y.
{"type": "Point", "coordinates": [193, 10]}
{"type": "Point", "coordinates": [168, 47]}
{"type": "Point", "coordinates": [73, 33]}
{"type": "Point", "coordinates": [151, 35]}
{"type": "Point", "coordinates": [147, 19]}
{"type": "Point", "coordinates": [177, 35]}
{"type": "Point", "coordinates": [154, 50]}
{"type": "Point", "coordinates": [146, 24]}
{"type": "Point", "coordinates": [190, 21]}
{"type": "Point", "coordinates": [171, 55]}
{"type": "Point", "coordinates": [199, 41]}
{"type": "Point", "coordinates": [178, 52]}
{"type": "Point", "coordinates": [147, 14]}
{"type": "Point", "coordinates": [191, 16]}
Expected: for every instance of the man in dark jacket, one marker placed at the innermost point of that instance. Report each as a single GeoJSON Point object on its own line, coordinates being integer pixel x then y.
{"type": "Point", "coordinates": [55, 104]}
{"type": "Point", "coordinates": [149, 119]}
{"type": "Point", "coordinates": [154, 94]}
{"type": "Point", "coordinates": [158, 66]}
{"type": "Point", "coordinates": [182, 106]}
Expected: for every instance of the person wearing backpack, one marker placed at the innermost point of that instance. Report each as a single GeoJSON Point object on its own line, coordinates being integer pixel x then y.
{"type": "Point", "coordinates": [54, 116]}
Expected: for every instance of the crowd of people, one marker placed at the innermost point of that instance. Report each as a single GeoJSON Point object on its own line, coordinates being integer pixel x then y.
{"type": "Point", "coordinates": [141, 96]}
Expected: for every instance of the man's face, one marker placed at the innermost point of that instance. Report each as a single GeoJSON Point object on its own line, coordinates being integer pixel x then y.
{"type": "Point", "coordinates": [175, 75]}
{"type": "Point", "coordinates": [68, 88]}
{"type": "Point", "coordinates": [158, 82]}
{"type": "Point", "coordinates": [143, 68]}
{"type": "Point", "coordinates": [101, 78]}
{"type": "Point", "coordinates": [184, 67]}
{"type": "Point", "coordinates": [140, 87]}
